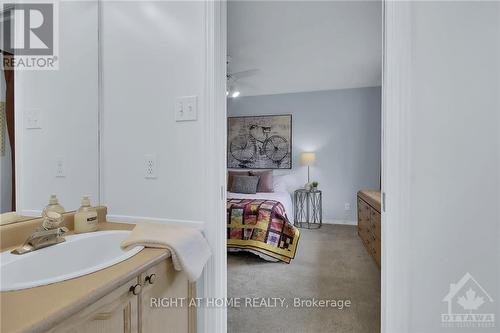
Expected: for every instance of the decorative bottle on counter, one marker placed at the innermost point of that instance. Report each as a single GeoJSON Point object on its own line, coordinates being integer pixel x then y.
{"type": "Point", "coordinates": [53, 206]}
{"type": "Point", "coordinates": [85, 217]}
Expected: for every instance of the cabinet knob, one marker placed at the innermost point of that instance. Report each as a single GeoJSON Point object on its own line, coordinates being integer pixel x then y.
{"type": "Point", "coordinates": [135, 289]}
{"type": "Point", "coordinates": [150, 278]}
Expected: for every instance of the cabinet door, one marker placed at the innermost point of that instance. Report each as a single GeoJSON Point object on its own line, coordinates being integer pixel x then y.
{"type": "Point", "coordinates": [114, 313]}
{"type": "Point", "coordinates": [164, 282]}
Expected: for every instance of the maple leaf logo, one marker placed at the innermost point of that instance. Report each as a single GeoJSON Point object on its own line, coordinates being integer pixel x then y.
{"type": "Point", "coordinates": [470, 301]}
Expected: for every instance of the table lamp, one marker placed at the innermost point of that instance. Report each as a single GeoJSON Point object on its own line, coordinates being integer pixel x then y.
{"type": "Point", "coordinates": [307, 159]}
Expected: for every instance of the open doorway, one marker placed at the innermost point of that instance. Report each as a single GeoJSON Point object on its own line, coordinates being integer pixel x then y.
{"type": "Point", "coordinates": [304, 165]}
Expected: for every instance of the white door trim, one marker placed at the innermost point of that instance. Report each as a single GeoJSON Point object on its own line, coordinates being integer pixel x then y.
{"type": "Point", "coordinates": [215, 274]}
{"type": "Point", "coordinates": [19, 140]}
{"type": "Point", "coordinates": [396, 167]}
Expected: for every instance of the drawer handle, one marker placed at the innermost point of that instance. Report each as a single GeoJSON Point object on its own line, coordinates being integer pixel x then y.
{"type": "Point", "coordinates": [135, 289]}
{"type": "Point", "coordinates": [150, 279]}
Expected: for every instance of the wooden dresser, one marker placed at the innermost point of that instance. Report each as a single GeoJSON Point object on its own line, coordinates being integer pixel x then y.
{"type": "Point", "coordinates": [369, 223]}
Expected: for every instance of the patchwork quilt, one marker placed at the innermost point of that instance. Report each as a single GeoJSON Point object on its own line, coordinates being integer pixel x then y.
{"type": "Point", "coordinates": [261, 226]}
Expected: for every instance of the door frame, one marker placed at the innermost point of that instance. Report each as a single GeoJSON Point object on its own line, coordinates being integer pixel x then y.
{"type": "Point", "coordinates": [396, 95]}
{"type": "Point", "coordinates": [396, 166]}
{"type": "Point", "coordinates": [214, 280]}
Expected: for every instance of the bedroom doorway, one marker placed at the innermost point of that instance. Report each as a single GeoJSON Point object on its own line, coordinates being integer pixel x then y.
{"type": "Point", "coordinates": [304, 165]}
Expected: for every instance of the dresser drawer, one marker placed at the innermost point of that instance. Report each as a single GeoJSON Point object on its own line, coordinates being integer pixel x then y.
{"type": "Point", "coordinates": [369, 223]}
{"type": "Point", "coordinates": [375, 222]}
{"type": "Point", "coordinates": [363, 217]}
{"type": "Point", "coordinates": [376, 250]}
{"type": "Point", "coordinates": [363, 210]}
{"type": "Point", "coordinates": [364, 227]}
{"type": "Point", "coordinates": [366, 236]}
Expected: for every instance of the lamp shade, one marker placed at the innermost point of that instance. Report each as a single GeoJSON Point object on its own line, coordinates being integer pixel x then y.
{"type": "Point", "coordinates": [307, 158]}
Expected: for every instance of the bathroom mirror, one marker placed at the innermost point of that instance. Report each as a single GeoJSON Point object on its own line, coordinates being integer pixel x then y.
{"type": "Point", "coordinates": [49, 101]}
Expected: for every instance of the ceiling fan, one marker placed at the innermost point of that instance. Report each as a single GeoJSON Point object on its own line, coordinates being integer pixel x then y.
{"type": "Point", "coordinates": [232, 77]}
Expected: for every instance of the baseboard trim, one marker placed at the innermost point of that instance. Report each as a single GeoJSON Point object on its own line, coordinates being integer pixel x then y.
{"type": "Point", "coordinates": [338, 221]}
{"type": "Point", "coordinates": [137, 219]}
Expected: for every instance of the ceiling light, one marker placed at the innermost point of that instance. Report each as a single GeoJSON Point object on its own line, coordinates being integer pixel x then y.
{"type": "Point", "coordinates": [235, 94]}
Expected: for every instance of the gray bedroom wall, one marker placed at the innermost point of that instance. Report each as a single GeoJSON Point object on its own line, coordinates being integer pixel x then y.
{"type": "Point", "coordinates": [343, 127]}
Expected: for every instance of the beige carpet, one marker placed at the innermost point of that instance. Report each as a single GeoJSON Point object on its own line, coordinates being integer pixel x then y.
{"type": "Point", "coordinates": [331, 263]}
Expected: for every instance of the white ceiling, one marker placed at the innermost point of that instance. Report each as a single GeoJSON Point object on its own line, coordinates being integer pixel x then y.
{"type": "Point", "coordinates": [305, 45]}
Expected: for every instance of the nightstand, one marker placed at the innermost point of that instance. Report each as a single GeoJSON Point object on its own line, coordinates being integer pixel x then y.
{"type": "Point", "coordinates": [308, 209]}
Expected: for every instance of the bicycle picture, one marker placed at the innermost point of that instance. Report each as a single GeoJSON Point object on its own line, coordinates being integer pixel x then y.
{"type": "Point", "coordinates": [256, 143]}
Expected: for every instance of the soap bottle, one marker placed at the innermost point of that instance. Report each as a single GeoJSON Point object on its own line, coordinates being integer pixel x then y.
{"type": "Point", "coordinates": [85, 217]}
{"type": "Point", "coordinates": [53, 206]}
{"type": "Point", "coordinates": [52, 220]}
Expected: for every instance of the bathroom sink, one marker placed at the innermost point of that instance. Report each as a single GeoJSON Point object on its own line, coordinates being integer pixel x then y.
{"type": "Point", "coordinates": [79, 255]}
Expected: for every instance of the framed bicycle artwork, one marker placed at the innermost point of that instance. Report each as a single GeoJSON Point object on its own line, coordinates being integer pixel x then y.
{"type": "Point", "coordinates": [259, 142]}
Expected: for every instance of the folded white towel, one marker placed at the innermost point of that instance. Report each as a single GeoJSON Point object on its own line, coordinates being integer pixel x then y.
{"type": "Point", "coordinates": [190, 250]}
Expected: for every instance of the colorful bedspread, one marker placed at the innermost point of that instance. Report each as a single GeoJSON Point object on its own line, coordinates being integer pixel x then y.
{"type": "Point", "coordinates": [261, 226]}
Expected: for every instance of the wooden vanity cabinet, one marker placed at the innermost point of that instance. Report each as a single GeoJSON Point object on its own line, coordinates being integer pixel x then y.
{"type": "Point", "coordinates": [123, 311]}
{"type": "Point", "coordinates": [115, 312]}
{"type": "Point", "coordinates": [162, 281]}
{"type": "Point", "coordinates": [369, 222]}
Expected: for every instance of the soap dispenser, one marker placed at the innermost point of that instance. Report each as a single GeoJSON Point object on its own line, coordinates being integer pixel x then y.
{"type": "Point", "coordinates": [53, 206]}
{"type": "Point", "coordinates": [85, 217]}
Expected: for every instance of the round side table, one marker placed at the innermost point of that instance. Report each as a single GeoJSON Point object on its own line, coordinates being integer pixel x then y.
{"type": "Point", "coordinates": [308, 209]}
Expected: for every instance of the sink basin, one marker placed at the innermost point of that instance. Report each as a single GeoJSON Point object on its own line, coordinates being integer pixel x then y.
{"type": "Point", "coordinates": [79, 255]}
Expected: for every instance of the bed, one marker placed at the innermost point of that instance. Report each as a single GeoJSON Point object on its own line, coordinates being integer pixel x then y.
{"type": "Point", "coordinates": [261, 224]}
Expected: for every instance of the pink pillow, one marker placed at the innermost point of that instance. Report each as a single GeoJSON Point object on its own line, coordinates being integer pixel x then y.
{"type": "Point", "coordinates": [230, 175]}
{"type": "Point", "coordinates": [265, 181]}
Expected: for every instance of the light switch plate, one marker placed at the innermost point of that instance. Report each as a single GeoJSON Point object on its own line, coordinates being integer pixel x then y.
{"type": "Point", "coordinates": [33, 119]}
{"type": "Point", "coordinates": [186, 108]}
{"type": "Point", "coordinates": [191, 107]}
{"type": "Point", "coordinates": [179, 109]}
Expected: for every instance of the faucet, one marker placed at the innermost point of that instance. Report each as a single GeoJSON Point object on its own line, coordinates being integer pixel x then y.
{"type": "Point", "coordinates": [49, 233]}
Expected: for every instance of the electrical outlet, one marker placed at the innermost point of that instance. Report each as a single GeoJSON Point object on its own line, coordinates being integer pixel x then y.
{"type": "Point", "coordinates": [60, 168]}
{"type": "Point", "coordinates": [347, 206]}
{"type": "Point", "coordinates": [150, 166]}
{"type": "Point", "coordinates": [33, 119]}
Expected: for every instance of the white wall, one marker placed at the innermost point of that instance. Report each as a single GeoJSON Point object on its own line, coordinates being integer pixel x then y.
{"type": "Point", "coordinates": [343, 128]}
{"type": "Point", "coordinates": [152, 52]}
{"type": "Point", "coordinates": [68, 104]}
{"type": "Point", "coordinates": [453, 149]}
{"type": "Point", "coordinates": [300, 46]}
